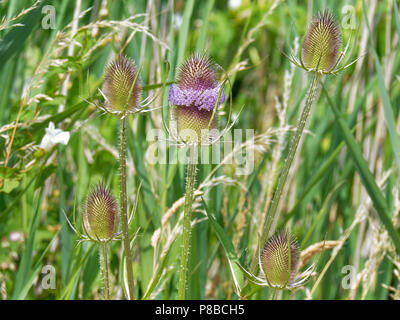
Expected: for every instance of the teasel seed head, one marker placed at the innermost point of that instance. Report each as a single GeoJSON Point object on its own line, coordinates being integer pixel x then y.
{"type": "Point", "coordinates": [194, 96]}
{"type": "Point", "coordinates": [322, 43]}
{"type": "Point", "coordinates": [100, 216]}
{"type": "Point", "coordinates": [279, 259]}
{"type": "Point", "coordinates": [121, 86]}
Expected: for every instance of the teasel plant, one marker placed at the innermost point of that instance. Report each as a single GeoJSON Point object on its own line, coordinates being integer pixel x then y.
{"type": "Point", "coordinates": [100, 221]}
{"type": "Point", "coordinates": [320, 55]}
{"type": "Point", "coordinates": [122, 93]}
{"type": "Point", "coordinates": [278, 262]}
{"type": "Point", "coordinates": [195, 98]}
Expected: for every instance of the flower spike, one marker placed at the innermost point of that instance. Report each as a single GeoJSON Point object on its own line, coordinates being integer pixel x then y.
{"type": "Point", "coordinates": [195, 96]}
{"type": "Point", "coordinates": [100, 216]}
{"type": "Point", "coordinates": [278, 262]}
{"type": "Point", "coordinates": [121, 86]}
{"type": "Point", "coordinates": [322, 43]}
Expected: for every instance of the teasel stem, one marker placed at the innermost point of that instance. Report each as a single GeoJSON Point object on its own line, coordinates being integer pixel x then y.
{"type": "Point", "coordinates": [273, 213]}
{"type": "Point", "coordinates": [105, 269]}
{"type": "Point", "coordinates": [191, 177]}
{"type": "Point", "coordinates": [274, 293]}
{"type": "Point", "coordinates": [124, 207]}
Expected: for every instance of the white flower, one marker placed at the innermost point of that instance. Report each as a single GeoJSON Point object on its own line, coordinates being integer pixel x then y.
{"type": "Point", "coordinates": [234, 4]}
{"type": "Point", "coordinates": [15, 236]}
{"type": "Point", "coordinates": [177, 19]}
{"type": "Point", "coordinates": [54, 136]}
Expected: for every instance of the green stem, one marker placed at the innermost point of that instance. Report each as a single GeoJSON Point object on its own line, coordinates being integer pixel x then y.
{"type": "Point", "coordinates": [273, 213]}
{"type": "Point", "coordinates": [124, 208]}
{"type": "Point", "coordinates": [191, 176]}
{"type": "Point", "coordinates": [105, 270]}
{"type": "Point", "coordinates": [274, 293]}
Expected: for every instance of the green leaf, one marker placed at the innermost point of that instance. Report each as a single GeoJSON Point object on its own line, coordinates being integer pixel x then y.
{"type": "Point", "coordinates": [366, 176]}
{"type": "Point", "coordinates": [233, 260]}
{"type": "Point", "coordinates": [387, 107]}
{"type": "Point", "coordinates": [14, 40]}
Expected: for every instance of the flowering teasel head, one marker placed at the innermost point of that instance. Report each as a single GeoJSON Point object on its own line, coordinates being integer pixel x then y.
{"type": "Point", "coordinates": [195, 95]}
{"type": "Point", "coordinates": [121, 86]}
{"type": "Point", "coordinates": [100, 216]}
{"type": "Point", "coordinates": [279, 259]}
{"type": "Point", "coordinates": [322, 43]}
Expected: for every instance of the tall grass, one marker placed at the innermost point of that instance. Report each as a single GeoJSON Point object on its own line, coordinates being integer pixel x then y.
{"type": "Point", "coordinates": [341, 199]}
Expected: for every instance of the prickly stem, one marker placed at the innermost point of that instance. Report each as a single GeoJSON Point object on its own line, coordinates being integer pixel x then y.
{"type": "Point", "coordinates": [105, 270]}
{"type": "Point", "coordinates": [124, 208]}
{"type": "Point", "coordinates": [191, 177]}
{"type": "Point", "coordinates": [273, 213]}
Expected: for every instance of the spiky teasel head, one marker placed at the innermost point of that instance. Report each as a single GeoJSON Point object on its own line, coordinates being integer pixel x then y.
{"type": "Point", "coordinates": [195, 95]}
{"type": "Point", "coordinates": [121, 86]}
{"type": "Point", "coordinates": [322, 43]}
{"type": "Point", "coordinates": [279, 259]}
{"type": "Point", "coordinates": [100, 216]}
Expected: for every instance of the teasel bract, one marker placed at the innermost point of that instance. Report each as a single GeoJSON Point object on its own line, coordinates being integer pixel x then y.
{"type": "Point", "coordinates": [195, 96]}
{"type": "Point", "coordinates": [321, 47]}
{"type": "Point", "coordinates": [278, 262]}
{"type": "Point", "coordinates": [121, 87]}
{"type": "Point", "coordinates": [322, 43]}
{"type": "Point", "coordinates": [100, 216]}
{"type": "Point", "coordinates": [279, 259]}
{"type": "Point", "coordinates": [100, 221]}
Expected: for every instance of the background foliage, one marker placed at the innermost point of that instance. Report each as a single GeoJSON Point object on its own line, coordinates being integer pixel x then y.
{"type": "Point", "coordinates": [51, 75]}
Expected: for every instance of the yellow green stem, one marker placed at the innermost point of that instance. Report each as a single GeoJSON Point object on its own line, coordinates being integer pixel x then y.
{"type": "Point", "coordinates": [124, 208]}
{"type": "Point", "coordinates": [273, 213]}
{"type": "Point", "coordinates": [191, 177]}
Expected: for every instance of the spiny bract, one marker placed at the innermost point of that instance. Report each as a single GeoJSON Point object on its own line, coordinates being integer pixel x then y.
{"type": "Point", "coordinates": [322, 43]}
{"type": "Point", "coordinates": [100, 217]}
{"type": "Point", "coordinates": [121, 86]}
{"type": "Point", "coordinates": [194, 96]}
{"type": "Point", "coordinates": [275, 257]}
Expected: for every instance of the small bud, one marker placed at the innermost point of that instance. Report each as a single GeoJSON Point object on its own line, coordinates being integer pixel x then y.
{"type": "Point", "coordinates": [275, 259]}
{"type": "Point", "coordinates": [195, 95]}
{"type": "Point", "coordinates": [100, 217]}
{"type": "Point", "coordinates": [121, 86]}
{"type": "Point", "coordinates": [322, 43]}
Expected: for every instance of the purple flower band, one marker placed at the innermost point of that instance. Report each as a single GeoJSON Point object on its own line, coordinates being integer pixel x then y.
{"type": "Point", "coordinates": [202, 99]}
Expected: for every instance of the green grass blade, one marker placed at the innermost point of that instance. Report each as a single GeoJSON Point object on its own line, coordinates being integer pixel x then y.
{"type": "Point", "coordinates": [387, 107]}
{"type": "Point", "coordinates": [24, 270]}
{"type": "Point", "coordinates": [366, 176]}
{"type": "Point", "coordinates": [237, 273]}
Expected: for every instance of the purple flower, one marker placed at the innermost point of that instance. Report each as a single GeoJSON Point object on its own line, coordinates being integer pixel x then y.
{"type": "Point", "coordinates": [194, 96]}
{"type": "Point", "coordinates": [197, 85]}
{"type": "Point", "coordinates": [202, 99]}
